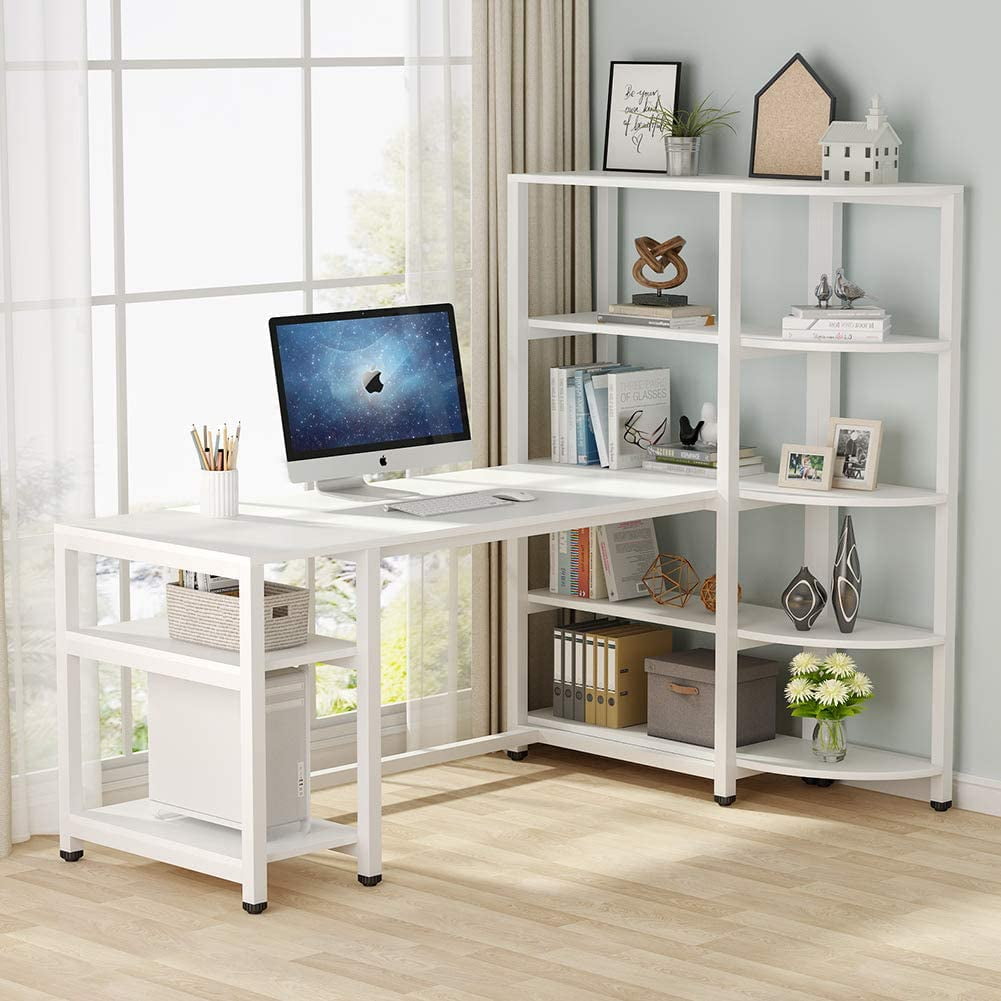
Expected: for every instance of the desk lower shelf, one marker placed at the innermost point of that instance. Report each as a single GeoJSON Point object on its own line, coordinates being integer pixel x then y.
{"type": "Point", "coordinates": [782, 756]}
{"type": "Point", "coordinates": [134, 827]}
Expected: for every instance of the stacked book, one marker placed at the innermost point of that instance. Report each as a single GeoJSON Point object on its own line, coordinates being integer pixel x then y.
{"type": "Point", "coordinates": [607, 561]}
{"type": "Point", "coordinates": [599, 674]}
{"type": "Point", "coordinates": [671, 317]}
{"type": "Point", "coordinates": [696, 461]}
{"type": "Point", "coordinates": [813, 323]}
{"type": "Point", "coordinates": [591, 405]}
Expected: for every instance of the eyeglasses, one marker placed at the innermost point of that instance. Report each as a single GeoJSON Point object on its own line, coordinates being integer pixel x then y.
{"type": "Point", "coordinates": [634, 435]}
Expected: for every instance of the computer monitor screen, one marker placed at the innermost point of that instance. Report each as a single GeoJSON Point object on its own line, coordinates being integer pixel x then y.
{"type": "Point", "coordinates": [369, 381]}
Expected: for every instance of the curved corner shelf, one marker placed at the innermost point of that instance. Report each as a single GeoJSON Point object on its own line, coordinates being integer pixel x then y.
{"type": "Point", "coordinates": [767, 340]}
{"type": "Point", "coordinates": [765, 487]}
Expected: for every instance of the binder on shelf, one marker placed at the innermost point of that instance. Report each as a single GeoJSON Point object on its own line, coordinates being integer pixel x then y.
{"type": "Point", "coordinates": [626, 674]}
{"type": "Point", "coordinates": [559, 671]}
{"type": "Point", "coordinates": [577, 687]}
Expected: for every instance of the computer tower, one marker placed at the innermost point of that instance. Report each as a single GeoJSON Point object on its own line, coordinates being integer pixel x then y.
{"type": "Point", "coordinates": [194, 749]}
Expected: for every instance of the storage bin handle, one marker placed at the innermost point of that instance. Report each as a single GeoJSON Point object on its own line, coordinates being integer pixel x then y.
{"type": "Point", "coordinates": [279, 612]}
{"type": "Point", "coordinates": [684, 689]}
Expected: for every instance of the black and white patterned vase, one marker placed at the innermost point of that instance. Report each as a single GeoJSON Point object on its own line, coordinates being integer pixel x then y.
{"type": "Point", "coordinates": [804, 599]}
{"type": "Point", "coordinates": [846, 586]}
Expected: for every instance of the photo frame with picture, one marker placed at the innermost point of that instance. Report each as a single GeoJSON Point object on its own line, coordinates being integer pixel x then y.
{"type": "Point", "coordinates": [856, 445]}
{"type": "Point", "coordinates": [635, 88]}
{"type": "Point", "coordinates": [806, 467]}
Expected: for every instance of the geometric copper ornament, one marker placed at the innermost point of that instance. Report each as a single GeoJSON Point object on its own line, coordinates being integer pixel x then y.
{"type": "Point", "coordinates": [671, 580]}
{"type": "Point", "coordinates": [708, 593]}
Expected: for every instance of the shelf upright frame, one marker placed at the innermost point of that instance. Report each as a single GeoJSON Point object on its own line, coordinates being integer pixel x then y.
{"type": "Point", "coordinates": [728, 502]}
{"type": "Point", "coordinates": [823, 388]}
{"type": "Point", "coordinates": [950, 318]}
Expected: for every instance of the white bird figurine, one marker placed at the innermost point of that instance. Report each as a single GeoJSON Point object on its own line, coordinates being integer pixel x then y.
{"type": "Point", "coordinates": [823, 292]}
{"type": "Point", "coordinates": [709, 435]}
{"type": "Point", "coordinates": [845, 290]}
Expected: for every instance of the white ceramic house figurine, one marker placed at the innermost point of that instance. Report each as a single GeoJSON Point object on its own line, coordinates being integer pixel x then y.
{"type": "Point", "coordinates": [709, 435]}
{"type": "Point", "coordinates": [861, 152]}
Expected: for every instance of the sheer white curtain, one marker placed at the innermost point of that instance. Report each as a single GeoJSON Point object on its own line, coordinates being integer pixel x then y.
{"type": "Point", "coordinates": [438, 152]}
{"type": "Point", "coordinates": [46, 423]}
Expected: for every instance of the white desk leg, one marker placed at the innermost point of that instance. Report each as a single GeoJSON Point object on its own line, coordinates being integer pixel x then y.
{"type": "Point", "coordinates": [68, 700]}
{"type": "Point", "coordinates": [368, 595]}
{"type": "Point", "coordinates": [253, 756]}
{"type": "Point", "coordinates": [516, 640]}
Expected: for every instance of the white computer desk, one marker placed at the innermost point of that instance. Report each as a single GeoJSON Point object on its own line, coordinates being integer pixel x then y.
{"type": "Point", "coordinates": [309, 526]}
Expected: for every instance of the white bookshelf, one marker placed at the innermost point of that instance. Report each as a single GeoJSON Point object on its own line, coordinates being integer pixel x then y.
{"type": "Point", "coordinates": [740, 626]}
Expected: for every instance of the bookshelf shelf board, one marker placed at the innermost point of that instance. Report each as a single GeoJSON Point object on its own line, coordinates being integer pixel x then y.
{"type": "Point", "coordinates": [140, 827]}
{"type": "Point", "coordinates": [146, 644]}
{"type": "Point", "coordinates": [757, 625]}
{"type": "Point", "coordinates": [587, 323]}
{"type": "Point", "coordinates": [764, 487]}
{"type": "Point", "coordinates": [782, 756]}
{"type": "Point", "coordinates": [767, 340]}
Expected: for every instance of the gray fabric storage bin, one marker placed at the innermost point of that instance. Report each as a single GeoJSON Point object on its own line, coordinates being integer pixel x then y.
{"type": "Point", "coordinates": [681, 694]}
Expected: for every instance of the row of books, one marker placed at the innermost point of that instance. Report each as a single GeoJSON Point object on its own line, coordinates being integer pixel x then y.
{"type": "Point", "coordinates": [607, 561]}
{"type": "Point", "coordinates": [599, 414]}
{"type": "Point", "coordinates": [599, 671]}
{"type": "Point", "coordinates": [813, 323]}
{"type": "Point", "coordinates": [687, 317]}
{"type": "Point", "coordinates": [680, 459]}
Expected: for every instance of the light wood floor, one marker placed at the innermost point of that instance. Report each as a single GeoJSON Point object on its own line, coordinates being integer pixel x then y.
{"type": "Point", "coordinates": [559, 878]}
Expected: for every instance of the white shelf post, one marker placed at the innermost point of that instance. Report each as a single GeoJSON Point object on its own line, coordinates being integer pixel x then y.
{"type": "Point", "coordinates": [606, 265]}
{"type": "Point", "coordinates": [517, 321]}
{"type": "Point", "coordinates": [728, 504]}
{"type": "Point", "coordinates": [368, 597]}
{"type": "Point", "coordinates": [823, 390]}
{"type": "Point", "coordinates": [253, 753]}
{"type": "Point", "coordinates": [950, 308]}
{"type": "Point", "coordinates": [68, 695]}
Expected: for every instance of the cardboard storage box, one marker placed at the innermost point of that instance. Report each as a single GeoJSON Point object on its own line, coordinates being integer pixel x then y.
{"type": "Point", "coordinates": [681, 692]}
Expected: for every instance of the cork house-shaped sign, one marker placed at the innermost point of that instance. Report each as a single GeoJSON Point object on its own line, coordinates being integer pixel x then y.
{"type": "Point", "coordinates": [791, 113]}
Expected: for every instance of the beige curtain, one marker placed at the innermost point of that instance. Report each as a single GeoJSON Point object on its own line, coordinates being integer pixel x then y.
{"type": "Point", "coordinates": [531, 108]}
{"type": "Point", "coordinates": [5, 755]}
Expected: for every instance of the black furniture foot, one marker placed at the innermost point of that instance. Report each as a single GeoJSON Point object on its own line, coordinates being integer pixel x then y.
{"type": "Point", "coordinates": [255, 908]}
{"type": "Point", "coordinates": [941, 807]}
{"type": "Point", "coordinates": [726, 800]}
{"type": "Point", "coordinates": [78, 854]}
{"type": "Point", "coordinates": [809, 781]}
{"type": "Point", "coordinates": [370, 880]}
{"type": "Point", "coordinates": [823, 783]}
{"type": "Point", "coordinates": [517, 755]}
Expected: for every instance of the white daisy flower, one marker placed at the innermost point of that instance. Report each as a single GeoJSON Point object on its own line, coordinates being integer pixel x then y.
{"type": "Point", "coordinates": [832, 692]}
{"type": "Point", "coordinates": [859, 684]}
{"type": "Point", "coordinates": [799, 690]}
{"type": "Point", "coordinates": [804, 663]}
{"type": "Point", "coordinates": [840, 665]}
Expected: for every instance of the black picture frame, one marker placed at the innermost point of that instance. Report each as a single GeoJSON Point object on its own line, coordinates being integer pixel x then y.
{"type": "Point", "coordinates": [608, 108]}
{"type": "Point", "coordinates": [796, 57]}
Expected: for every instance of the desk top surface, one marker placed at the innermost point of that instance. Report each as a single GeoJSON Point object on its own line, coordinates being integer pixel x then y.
{"type": "Point", "coordinates": [316, 524]}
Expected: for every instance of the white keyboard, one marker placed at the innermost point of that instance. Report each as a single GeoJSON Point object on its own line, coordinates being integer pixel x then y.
{"type": "Point", "coordinates": [426, 507]}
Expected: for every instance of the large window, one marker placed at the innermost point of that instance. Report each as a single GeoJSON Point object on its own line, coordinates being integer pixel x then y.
{"type": "Point", "coordinates": [252, 158]}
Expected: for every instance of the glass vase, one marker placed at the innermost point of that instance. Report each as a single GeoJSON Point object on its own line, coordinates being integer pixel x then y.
{"type": "Point", "coordinates": [829, 743]}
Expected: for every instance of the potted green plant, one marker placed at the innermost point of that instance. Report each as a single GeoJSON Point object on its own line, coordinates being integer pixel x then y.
{"type": "Point", "coordinates": [827, 691]}
{"type": "Point", "coordinates": [683, 132]}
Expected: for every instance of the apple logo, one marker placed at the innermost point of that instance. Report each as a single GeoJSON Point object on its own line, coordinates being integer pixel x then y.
{"type": "Point", "coordinates": [372, 381]}
{"type": "Point", "coordinates": [383, 461]}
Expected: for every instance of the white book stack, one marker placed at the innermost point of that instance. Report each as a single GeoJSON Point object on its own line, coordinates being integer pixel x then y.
{"type": "Point", "coordinates": [813, 323]}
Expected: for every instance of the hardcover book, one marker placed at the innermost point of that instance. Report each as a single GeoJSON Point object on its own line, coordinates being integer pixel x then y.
{"type": "Point", "coordinates": [628, 549]}
{"type": "Point", "coordinates": [660, 312]}
{"type": "Point", "coordinates": [642, 399]}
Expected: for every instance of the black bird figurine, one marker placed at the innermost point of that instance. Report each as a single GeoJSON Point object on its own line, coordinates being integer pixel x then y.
{"type": "Point", "coordinates": [689, 435]}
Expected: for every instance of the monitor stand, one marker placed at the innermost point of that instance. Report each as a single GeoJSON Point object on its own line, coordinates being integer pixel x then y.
{"type": "Point", "coordinates": [355, 488]}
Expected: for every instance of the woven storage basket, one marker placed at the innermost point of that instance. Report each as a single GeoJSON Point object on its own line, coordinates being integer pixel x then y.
{"type": "Point", "coordinates": [213, 618]}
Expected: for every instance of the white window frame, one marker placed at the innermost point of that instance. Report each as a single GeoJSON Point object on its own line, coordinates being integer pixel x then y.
{"type": "Point", "coordinates": [123, 773]}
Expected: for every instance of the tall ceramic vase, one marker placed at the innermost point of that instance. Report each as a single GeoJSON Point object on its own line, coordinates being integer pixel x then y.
{"type": "Point", "coordinates": [804, 599]}
{"type": "Point", "coordinates": [846, 586]}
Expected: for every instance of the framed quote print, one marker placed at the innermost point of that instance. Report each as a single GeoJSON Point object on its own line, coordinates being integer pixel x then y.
{"type": "Point", "coordinates": [634, 90]}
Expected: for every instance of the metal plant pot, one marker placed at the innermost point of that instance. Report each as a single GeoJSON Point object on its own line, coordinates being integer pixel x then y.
{"type": "Point", "coordinates": [682, 155]}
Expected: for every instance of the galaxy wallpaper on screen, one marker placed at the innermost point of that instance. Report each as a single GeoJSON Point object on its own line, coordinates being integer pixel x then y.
{"type": "Point", "coordinates": [352, 383]}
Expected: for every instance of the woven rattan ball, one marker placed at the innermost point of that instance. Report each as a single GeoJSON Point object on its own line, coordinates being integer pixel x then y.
{"type": "Point", "coordinates": [708, 593]}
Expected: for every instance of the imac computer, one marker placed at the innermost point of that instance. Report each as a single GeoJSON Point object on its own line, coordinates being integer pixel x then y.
{"type": "Point", "coordinates": [369, 391]}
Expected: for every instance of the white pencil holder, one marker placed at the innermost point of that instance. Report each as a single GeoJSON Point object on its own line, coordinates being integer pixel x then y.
{"type": "Point", "coordinates": [220, 493]}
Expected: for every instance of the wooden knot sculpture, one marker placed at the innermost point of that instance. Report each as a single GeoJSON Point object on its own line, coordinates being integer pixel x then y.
{"type": "Point", "coordinates": [657, 257]}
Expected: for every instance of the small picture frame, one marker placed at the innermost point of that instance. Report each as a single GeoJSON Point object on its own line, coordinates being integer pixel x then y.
{"type": "Point", "coordinates": [856, 445]}
{"type": "Point", "coordinates": [634, 88]}
{"type": "Point", "coordinates": [806, 467]}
